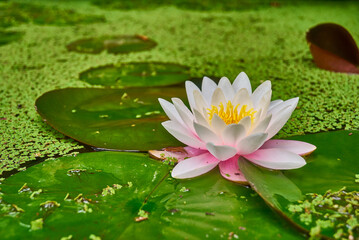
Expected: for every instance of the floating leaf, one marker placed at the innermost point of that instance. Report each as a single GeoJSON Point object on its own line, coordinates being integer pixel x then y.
{"type": "Point", "coordinates": [113, 44]}
{"type": "Point", "coordinates": [9, 36]}
{"type": "Point", "coordinates": [333, 48]}
{"type": "Point", "coordinates": [125, 119]}
{"type": "Point", "coordinates": [129, 196]}
{"type": "Point", "coordinates": [324, 208]}
{"type": "Point", "coordinates": [136, 74]}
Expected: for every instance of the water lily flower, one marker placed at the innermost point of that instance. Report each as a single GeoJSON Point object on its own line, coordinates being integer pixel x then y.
{"type": "Point", "coordinates": [226, 121]}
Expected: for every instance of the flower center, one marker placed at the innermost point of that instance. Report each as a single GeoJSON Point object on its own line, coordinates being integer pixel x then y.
{"type": "Point", "coordinates": [230, 114]}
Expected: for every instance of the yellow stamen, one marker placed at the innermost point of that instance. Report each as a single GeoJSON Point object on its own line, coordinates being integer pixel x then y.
{"type": "Point", "coordinates": [230, 114]}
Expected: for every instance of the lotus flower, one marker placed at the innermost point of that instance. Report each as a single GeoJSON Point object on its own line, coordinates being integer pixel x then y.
{"type": "Point", "coordinates": [226, 121]}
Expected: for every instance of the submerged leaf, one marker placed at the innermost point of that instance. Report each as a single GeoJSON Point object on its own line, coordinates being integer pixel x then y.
{"type": "Point", "coordinates": [333, 48]}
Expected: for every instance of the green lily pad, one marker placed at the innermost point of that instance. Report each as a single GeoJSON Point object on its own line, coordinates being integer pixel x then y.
{"type": "Point", "coordinates": [136, 74]}
{"type": "Point", "coordinates": [322, 197]}
{"type": "Point", "coordinates": [113, 44]}
{"type": "Point", "coordinates": [9, 36]}
{"type": "Point", "coordinates": [13, 13]}
{"type": "Point", "coordinates": [129, 196]}
{"type": "Point", "coordinates": [124, 119]}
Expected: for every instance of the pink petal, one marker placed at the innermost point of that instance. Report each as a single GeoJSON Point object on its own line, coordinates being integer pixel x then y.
{"type": "Point", "coordinates": [164, 154]}
{"type": "Point", "coordinates": [194, 151]}
{"type": "Point", "coordinates": [298, 147]}
{"type": "Point", "coordinates": [194, 166]}
{"type": "Point", "coordinates": [275, 158]}
{"type": "Point", "coordinates": [230, 170]}
{"type": "Point", "coordinates": [221, 152]}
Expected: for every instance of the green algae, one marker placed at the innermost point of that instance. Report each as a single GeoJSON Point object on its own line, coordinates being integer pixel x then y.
{"type": "Point", "coordinates": [266, 43]}
{"type": "Point", "coordinates": [14, 13]}
{"type": "Point", "coordinates": [334, 212]}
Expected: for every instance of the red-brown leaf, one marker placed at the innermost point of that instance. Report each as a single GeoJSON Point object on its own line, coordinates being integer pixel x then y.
{"type": "Point", "coordinates": [333, 48]}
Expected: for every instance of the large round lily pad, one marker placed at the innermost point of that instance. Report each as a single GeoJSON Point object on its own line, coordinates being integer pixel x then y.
{"type": "Point", "coordinates": [136, 74]}
{"type": "Point", "coordinates": [113, 44]}
{"type": "Point", "coordinates": [9, 36]}
{"type": "Point", "coordinates": [129, 196]}
{"type": "Point", "coordinates": [323, 196]}
{"type": "Point", "coordinates": [125, 119]}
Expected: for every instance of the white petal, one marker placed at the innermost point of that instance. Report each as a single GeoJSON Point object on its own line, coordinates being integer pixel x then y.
{"type": "Point", "coordinates": [217, 124]}
{"type": "Point", "coordinates": [279, 107]}
{"type": "Point", "coordinates": [276, 158]}
{"type": "Point", "coordinates": [233, 133]}
{"type": "Point", "coordinates": [170, 111]}
{"type": "Point", "coordinates": [208, 87]}
{"type": "Point", "coordinates": [190, 88]}
{"type": "Point", "coordinates": [242, 97]}
{"type": "Point", "coordinates": [264, 103]}
{"type": "Point", "coordinates": [194, 166]}
{"type": "Point", "coordinates": [227, 88]}
{"type": "Point", "coordinates": [278, 120]}
{"type": "Point", "coordinates": [199, 118]}
{"type": "Point", "coordinates": [297, 147]}
{"type": "Point", "coordinates": [230, 170]}
{"type": "Point", "coordinates": [182, 134]}
{"type": "Point", "coordinates": [242, 81]}
{"type": "Point", "coordinates": [251, 143]}
{"type": "Point", "coordinates": [222, 152]}
{"type": "Point", "coordinates": [257, 118]}
{"type": "Point", "coordinates": [262, 125]}
{"type": "Point", "coordinates": [274, 103]}
{"type": "Point", "coordinates": [206, 135]}
{"type": "Point", "coordinates": [200, 103]}
{"type": "Point", "coordinates": [246, 122]}
{"type": "Point", "coordinates": [260, 91]}
{"type": "Point", "coordinates": [218, 97]}
{"type": "Point", "coordinates": [183, 111]}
